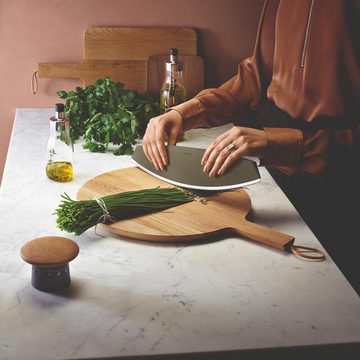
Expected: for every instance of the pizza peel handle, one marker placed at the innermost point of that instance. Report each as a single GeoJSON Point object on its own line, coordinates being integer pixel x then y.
{"type": "Point", "coordinates": [277, 240]}
{"type": "Point", "coordinates": [264, 235]}
{"type": "Point", "coordinates": [271, 237]}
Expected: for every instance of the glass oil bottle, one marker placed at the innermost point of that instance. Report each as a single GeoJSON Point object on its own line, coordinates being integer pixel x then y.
{"type": "Point", "coordinates": [173, 91]}
{"type": "Point", "coordinates": [59, 148]}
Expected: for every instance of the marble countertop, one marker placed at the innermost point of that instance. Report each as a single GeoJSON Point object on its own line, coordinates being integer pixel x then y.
{"type": "Point", "coordinates": [139, 298]}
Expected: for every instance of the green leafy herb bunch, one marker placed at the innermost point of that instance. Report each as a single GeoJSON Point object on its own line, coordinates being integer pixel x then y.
{"type": "Point", "coordinates": [105, 113]}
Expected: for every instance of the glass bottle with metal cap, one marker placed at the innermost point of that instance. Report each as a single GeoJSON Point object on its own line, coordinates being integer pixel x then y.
{"type": "Point", "coordinates": [59, 148]}
{"type": "Point", "coordinates": [173, 91]}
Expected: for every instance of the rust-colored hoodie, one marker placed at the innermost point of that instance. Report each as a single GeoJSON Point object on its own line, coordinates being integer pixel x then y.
{"type": "Point", "coordinates": [307, 62]}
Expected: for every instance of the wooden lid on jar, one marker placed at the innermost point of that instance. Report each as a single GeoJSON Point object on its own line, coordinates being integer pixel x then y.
{"type": "Point", "coordinates": [49, 251]}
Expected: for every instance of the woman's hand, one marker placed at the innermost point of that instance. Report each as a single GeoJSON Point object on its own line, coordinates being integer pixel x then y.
{"type": "Point", "coordinates": [230, 146]}
{"type": "Point", "coordinates": [168, 125]}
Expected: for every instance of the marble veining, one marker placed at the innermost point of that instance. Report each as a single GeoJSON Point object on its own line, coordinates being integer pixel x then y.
{"type": "Point", "coordinates": [131, 297]}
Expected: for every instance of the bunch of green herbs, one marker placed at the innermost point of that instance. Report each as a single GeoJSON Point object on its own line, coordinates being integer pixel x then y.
{"type": "Point", "coordinates": [105, 113]}
{"type": "Point", "coordinates": [77, 216]}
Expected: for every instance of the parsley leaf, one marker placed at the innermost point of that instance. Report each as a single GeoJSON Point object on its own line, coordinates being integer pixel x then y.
{"type": "Point", "coordinates": [105, 113]}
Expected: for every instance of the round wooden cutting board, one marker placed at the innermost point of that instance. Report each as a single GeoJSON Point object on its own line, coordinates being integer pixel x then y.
{"type": "Point", "coordinates": [223, 212]}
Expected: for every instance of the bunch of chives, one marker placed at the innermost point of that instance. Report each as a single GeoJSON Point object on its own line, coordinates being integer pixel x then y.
{"type": "Point", "coordinates": [77, 216]}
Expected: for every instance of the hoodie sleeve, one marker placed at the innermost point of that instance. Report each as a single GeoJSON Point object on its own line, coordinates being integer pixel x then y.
{"type": "Point", "coordinates": [242, 95]}
{"type": "Point", "coordinates": [319, 153]}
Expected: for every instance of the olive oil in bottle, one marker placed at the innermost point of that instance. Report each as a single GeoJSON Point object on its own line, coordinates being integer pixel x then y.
{"type": "Point", "coordinates": [61, 171]}
{"type": "Point", "coordinates": [173, 91]}
{"type": "Point", "coordinates": [59, 148]}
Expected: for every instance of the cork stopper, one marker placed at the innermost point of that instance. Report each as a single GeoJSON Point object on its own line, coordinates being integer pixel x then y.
{"type": "Point", "coordinates": [50, 257]}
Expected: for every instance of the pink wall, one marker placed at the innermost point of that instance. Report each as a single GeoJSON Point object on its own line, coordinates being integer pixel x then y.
{"type": "Point", "coordinates": [33, 31]}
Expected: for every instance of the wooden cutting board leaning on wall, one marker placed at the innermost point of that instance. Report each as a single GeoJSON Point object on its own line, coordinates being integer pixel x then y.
{"type": "Point", "coordinates": [124, 43]}
{"type": "Point", "coordinates": [132, 56]}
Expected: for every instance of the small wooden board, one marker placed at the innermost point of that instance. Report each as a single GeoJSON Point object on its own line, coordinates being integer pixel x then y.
{"type": "Point", "coordinates": [224, 212]}
{"type": "Point", "coordinates": [131, 73]}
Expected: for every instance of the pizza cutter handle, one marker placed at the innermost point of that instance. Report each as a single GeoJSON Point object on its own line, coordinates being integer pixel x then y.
{"type": "Point", "coordinates": [278, 240]}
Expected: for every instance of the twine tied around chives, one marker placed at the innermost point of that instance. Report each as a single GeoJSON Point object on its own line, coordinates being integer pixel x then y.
{"type": "Point", "coordinates": [105, 218]}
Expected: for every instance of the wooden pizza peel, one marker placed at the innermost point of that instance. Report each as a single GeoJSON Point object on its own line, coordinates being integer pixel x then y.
{"type": "Point", "coordinates": [224, 213]}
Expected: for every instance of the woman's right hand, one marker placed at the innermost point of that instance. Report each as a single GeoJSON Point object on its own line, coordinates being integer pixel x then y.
{"type": "Point", "coordinates": [168, 125]}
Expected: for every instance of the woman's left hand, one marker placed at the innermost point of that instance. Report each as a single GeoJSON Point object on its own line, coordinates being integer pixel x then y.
{"type": "Point", "coordinates": [230, 146]}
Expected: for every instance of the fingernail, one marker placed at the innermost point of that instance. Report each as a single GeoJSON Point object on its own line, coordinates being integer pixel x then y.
{"type": "Point", "coordinates": [161, 166]}
{"type": "Point", "coordinates": [220, 172]}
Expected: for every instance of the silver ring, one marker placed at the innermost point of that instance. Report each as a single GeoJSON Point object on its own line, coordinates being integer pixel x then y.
{"type": "Point", "coordinates": [230, 148]}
